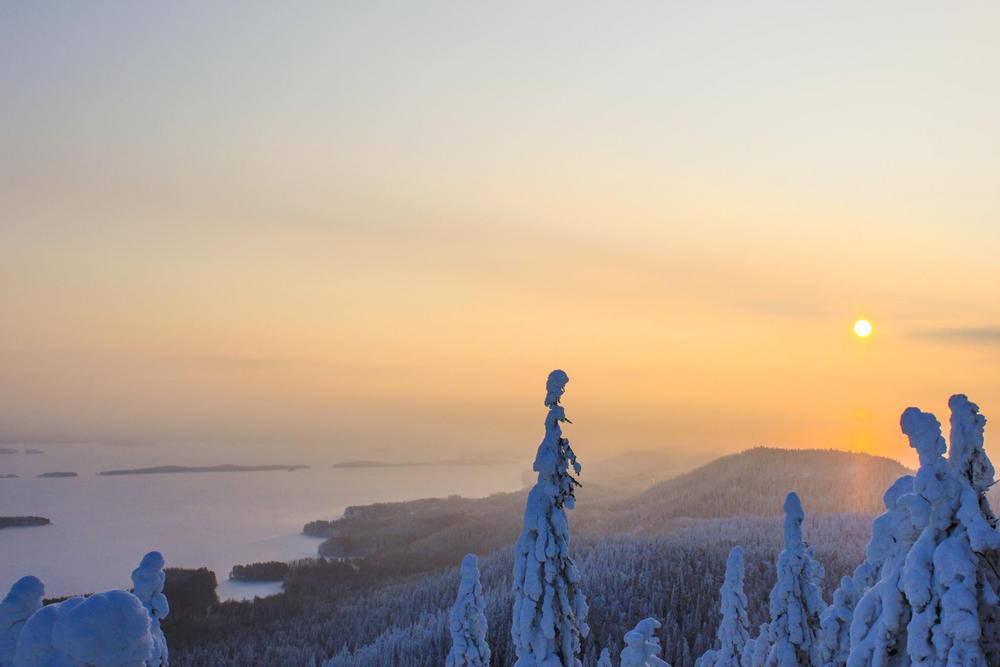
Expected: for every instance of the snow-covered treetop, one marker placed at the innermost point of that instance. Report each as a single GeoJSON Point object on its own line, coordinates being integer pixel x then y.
{"type": "Point", "coordinates": [469, 571]}
{"type": "Point", "coordinates": [26, 593]}
{"type": "Point", "coordinates": [967, 440]}
{"type": "Point", "coordinates": [793, 520]}
{"type": "Point", "coordinates": [896, 490]}
{"type": "Point", "coordinates": [734, 569]}
{"type": "Point", "coordinates": [642, 647]}
{"type": "Point", "coordinates": [891, 528]}
{"type": "Point", "coordinates": [148, 580]}
{"type": "Point", "coordinates": [555, 386]}
{"type": "Point", "coordinates": [152, 561]}
{"type": "Point", "coordinates": [554, 455]}
{"type": "Point", "coordinates": [23, 600]}
{"type": "Point", "coordinates": [924, 431]}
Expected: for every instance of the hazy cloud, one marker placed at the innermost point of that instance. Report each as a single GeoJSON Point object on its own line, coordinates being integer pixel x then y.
{"type": "Point", "coordinates": [984, 335]}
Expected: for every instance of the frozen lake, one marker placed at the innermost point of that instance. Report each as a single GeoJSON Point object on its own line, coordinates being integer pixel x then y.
{"type": "Point", "coordinates": [101, 526]}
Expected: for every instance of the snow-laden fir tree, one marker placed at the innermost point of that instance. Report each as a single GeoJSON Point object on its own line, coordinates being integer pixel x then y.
{"type": "Point", "coordinates": [467, 620]}
{"type": "Point", "coordinates": [604, 660]}
{"type": "Point", "coordinates": [796, 601]}
{"type": "Point", "coordinates": [877, 626]}
{"type": "Point", "coordinates": [642, 646]}
{"type": "Point", "coordinates": [949, 576]}
{"type": "Point", "coordinates": [734, 630]}
{"type": "Point", "coordinates": [148, 580]}
{"type": "Point", "coordinates": [550, 610]}
{"type": "Point", "coordinates": [23, 600]}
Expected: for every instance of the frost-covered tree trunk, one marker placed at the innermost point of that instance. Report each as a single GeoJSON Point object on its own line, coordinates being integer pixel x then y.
{"type": "Point", "coordinates": [605, 658]}
{"type": "Point", "coordinates": [796, 601]}
{"type": "Point", "coordinates": [642, 647]}
{"type": "Point", "coordinates": [948, 575]}
{"type": "Point", "coordinates": [550, 610]}
{"type": "Point", "coordinates": [734, 629]}
{"type": "Point", "coordinates": [147, 582]}
{"type": "Point", "coordinates": [23, 600]}
{"type": "Point", "coordinates": [467, 620]}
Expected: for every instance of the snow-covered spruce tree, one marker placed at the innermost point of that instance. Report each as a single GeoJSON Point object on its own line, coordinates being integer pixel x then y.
{"type": "Point", "coordinates": [148, 580]}
{"type": "Point", "coordinates": [796, 601]}
{"type": "Point", "coordinates": [550, 610]}
{"type": "Point", "coordinates": [968, 458]}
{"type": "Point", "coordinates": [734, 630]}
{"type": "Point", "coordinates": [605, 658]}
{"type": "Point", "coordinates": [948, 576]}
{"type": "Point", "coordinates": [878, 623]}
{"type": "Point", "coordinates": [642, 647]}
{"type": "Point", "coordinates": [23, 600]}
{"type": "Point", "coordinates": [467, 620]}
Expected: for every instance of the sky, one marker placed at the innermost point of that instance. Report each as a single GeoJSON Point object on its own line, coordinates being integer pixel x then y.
{"type": "Point", "coordinates": [324, 230]}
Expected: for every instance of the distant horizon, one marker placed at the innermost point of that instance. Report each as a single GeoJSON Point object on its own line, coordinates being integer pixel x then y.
{"type": "Point", "coordinates": [389, 460]}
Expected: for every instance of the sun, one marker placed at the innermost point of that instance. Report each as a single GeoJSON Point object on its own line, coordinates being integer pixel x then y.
{"type": "Point", "coordinates": [863, 328]}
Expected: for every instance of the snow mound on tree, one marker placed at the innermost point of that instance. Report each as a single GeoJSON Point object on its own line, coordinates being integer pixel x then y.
{"type": "Point", "coordinates": [104, 630]}
{"type": "Point", "coordinates": [23, 600]}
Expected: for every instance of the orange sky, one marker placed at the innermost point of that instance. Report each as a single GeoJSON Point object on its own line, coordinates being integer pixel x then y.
{"type": "Point", "coordinates": [368, 231]}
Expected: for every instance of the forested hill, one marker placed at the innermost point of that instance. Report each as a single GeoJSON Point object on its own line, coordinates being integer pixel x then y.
{"type": "Point", "coordinates": [400, 547]}
{"type": "Point", "coordinates": [754, 482]}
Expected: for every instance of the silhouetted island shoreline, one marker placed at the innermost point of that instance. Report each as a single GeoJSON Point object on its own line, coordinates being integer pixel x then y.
{"type": "Point", "coordinates": [23, 521]}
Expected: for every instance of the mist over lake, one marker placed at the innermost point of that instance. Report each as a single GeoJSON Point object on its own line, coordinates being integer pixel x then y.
{"type": "Point", "coordinates": [214, 520]}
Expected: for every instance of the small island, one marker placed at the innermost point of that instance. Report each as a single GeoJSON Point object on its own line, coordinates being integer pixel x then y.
{"type": "Point", "coordinates": [7, 450]}
{"type": "Point", "coordinates": [23, 521]}
{"type": "Point", "coordinates": [164, 470]}
{"type": "Point", "coordinates": [8, 475]}
{"type": "Point", "coordinates": [51, 475]}
{"type": "Point", "coordinates": [34, 451]}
